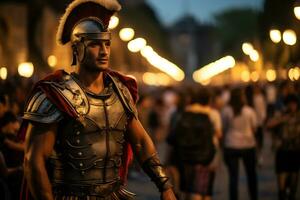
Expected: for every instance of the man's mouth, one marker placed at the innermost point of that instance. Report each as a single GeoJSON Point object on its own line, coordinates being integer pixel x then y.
{"type": "Point", "coordinates": [103, 60]}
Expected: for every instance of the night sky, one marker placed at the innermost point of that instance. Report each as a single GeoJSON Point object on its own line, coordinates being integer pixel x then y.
{"type": "Point", "coordinates": [204, 10]}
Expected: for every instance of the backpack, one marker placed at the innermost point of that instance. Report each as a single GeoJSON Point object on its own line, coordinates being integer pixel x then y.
{"type": "Point", "coordinates": [193, 138]}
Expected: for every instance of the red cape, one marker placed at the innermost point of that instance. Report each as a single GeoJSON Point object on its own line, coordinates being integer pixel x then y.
{"type": "Point", "coordinates": [63, 106]}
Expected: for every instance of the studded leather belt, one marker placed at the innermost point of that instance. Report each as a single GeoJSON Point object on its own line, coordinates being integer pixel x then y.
{"type": "Point", "coordinates": [100, 190]}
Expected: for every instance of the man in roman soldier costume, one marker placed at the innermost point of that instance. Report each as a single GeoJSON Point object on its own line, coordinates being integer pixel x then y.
{"type": "Point", "coordinates": [80, 128]}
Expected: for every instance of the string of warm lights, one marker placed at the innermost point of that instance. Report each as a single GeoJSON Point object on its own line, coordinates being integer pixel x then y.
{"type": "Point", "coordinates": [249, 50]}
{"type": "Point", "coordinates": [156, 79]}
{"type": "Point", "coordinates": [207, 72]}
{"type": "Point", "coordinates": [289, 36]}
{"type": "Point", "coordinates": [140, 45]}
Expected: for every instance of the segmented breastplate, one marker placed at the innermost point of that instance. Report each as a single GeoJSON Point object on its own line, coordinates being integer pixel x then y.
{"type": "Point", "coordinates": [90, 152]}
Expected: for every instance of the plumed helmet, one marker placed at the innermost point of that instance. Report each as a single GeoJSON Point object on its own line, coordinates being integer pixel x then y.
{"type": "Point", "coordinates": [86, 19]}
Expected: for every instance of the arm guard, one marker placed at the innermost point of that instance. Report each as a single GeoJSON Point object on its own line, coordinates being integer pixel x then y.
{"type": "Point", "coordinates": [153, 168]}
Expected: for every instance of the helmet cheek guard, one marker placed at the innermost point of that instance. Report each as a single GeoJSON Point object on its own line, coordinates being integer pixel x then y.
{"type": "Point", "coordinates": [78, 50]}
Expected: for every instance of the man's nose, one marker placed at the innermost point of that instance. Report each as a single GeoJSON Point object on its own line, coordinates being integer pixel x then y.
{"type": "Point", "coordinates": [103, 49]}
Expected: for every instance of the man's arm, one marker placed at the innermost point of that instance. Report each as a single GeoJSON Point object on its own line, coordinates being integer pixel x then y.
{"type": "Point", "coordinates": [145, 152]}
{"type": "Point", "coordinates": [40, 139]}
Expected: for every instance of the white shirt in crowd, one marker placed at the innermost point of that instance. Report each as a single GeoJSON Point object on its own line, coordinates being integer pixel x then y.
{"type": "Point", "coordinates": [240, 129]}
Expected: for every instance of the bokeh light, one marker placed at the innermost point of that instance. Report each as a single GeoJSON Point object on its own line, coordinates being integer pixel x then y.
{"type": "Point", "coordinates": [52, 61]}
{"type": "Point", "coordinates": [126, 34]}
{"type": "Point", "coordinates": [3, 73]}
{"type": "Point", "coordinates": [26, 69]}
{"type": "Point", "coordinates": [254, 76]}
{"type": "Point", "coordinates": [213, 69]}
{"type": "Point", "coordinates": [297, 12]}
{"type": "Point", "coordinates": [114, 22]}
{"type": "Point", "coordinates": [245, 76]}
{"type": "Point", "coordinates": [271, 75]}
{"type": "Point", "coordinates": [275, 35]}
{"type": "Point", "coordinates": [247, 48]}
{"type": "Point", "coordinates": [289, 37]}
{"type": "Point", "coordinates": [254, 56]}
{"type": "Point", "coordinates": [137, 44]}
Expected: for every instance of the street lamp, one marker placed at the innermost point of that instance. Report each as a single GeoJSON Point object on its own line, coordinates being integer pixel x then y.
{"type": "Point", "coordinates": [114, 22]}
{"type": "Point", "coordinates": [26, 69]}
{"type": "Point", "coordinates": [289, 37]}
{"type": "Point", "coordinates": [136, 45]}
{"type": "Point", "coordinates": [275, 35]}
{"type": "Point", "coordinates": [247, 48]}
{"type": "Point", "coordinates": [3, 73]}
{"type": "Point", "coordinates": [254, 56]}
{"type": "Point", "coordinates": [126, 34]}
{"type": "Point", "coordinates": [297, 9]}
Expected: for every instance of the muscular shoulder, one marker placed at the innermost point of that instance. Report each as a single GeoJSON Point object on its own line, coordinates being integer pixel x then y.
{"type": "Point", "coordinates": [40, 109]}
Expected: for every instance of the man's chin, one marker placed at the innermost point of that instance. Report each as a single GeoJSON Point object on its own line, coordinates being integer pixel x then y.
{"type": "Point", "coordinates": [96, 67]}
{"type": "Point", "coordinates": [99, 68]}
{"type": "Point", "coordinates": [102, 68]}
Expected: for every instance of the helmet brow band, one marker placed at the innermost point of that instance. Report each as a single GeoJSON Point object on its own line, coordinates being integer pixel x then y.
{"type": "Point", "coordinates": [96, 36]}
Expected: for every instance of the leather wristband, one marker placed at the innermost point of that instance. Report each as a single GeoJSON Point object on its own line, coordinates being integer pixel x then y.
{"type": "Point", "coordinates": [154, 169]}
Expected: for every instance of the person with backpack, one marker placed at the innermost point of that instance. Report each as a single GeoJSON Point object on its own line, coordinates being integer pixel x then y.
{"type": "Point", "coordinates": [192, 139]}
{"type": "Point", "coordinates": [287, 163]}
{"type": "Point", "coordinates": [239, 142]}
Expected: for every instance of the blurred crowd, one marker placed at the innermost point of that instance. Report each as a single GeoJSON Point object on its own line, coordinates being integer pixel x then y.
{"type": "Point", "coordinates": [240, 117]}
{"type": "Point", "coordinates": [194, 128]}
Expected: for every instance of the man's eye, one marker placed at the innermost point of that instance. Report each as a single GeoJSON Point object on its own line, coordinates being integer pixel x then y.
{"type": "Point", "coordinates": [93, 45]}
{"type": "Point", "coordinates": [107, 44]}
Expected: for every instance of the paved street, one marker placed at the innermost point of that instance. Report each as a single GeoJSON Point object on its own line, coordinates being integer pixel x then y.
{"type": "Point", "coordinates": [145, 190]}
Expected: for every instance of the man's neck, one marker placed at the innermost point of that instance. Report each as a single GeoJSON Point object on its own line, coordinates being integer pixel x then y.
{"type": "Point", "coordinates": [93, 81]}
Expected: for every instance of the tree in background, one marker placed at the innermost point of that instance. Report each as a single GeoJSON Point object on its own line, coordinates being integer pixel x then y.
{"type": "Point", "coordinates": [235, 26]}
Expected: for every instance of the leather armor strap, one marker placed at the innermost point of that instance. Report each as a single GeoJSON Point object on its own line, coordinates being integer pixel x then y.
{"type": "Point", "coordinates": [153, 168]}
{"type": "Point", "coordinates": [101, 190]}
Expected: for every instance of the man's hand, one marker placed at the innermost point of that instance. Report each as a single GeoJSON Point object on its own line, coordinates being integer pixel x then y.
{"type": "Point", "coordinates": [168, 195]}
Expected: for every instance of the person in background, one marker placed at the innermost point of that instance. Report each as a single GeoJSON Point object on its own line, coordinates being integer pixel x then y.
{"type": "Point", "coordinates": [3, 104]}
{"type": "Point", "coordinates": [287, 162]}
{"type": "Point", "coordinates": [12, 150]}
{"type": "Point", "coordinates": [144, 106]}
{"type": "Point", "coordinates": [256, 100]}
{"type": "Point", "coordinates": [239, 142]}
{"type": "Point", "coordinates": [193, 140]}
{"type": "Point", "coordinates": [5, 175]}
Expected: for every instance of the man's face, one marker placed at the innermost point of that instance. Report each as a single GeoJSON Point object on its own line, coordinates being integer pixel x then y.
{"type": "Point", "coordinates": [97, 55]}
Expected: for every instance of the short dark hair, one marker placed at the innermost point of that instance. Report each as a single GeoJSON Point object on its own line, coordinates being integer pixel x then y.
{"type": "Point", "coordinates": [237, 100]}
{"type": "Point", "coordinates": [201, 95]}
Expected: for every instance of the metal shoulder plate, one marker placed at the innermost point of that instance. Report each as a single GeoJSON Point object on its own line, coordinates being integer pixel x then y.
{"type": "Point", "coordinates": [125, 96]}
{"type": "Point", "coordinates": [69, 89]}
{"type": "Point", "coordinates": [40, 109]}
